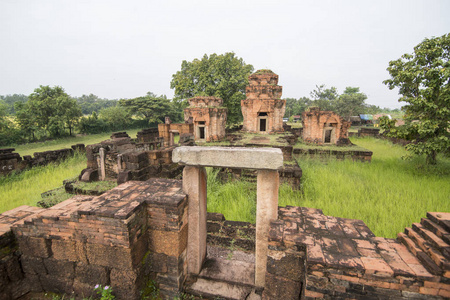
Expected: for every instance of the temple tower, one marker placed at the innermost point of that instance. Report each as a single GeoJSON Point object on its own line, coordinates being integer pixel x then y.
{"type": "Point", "coordinates": [263, 110]}
{"type": "Point", "coordinates": [209, 118]}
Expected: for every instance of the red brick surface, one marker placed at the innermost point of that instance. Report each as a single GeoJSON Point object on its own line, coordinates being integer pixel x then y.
{"type": "Point", "coordinates": [106, 238]}
{"type": "Point", "coordinates": [345, 260]}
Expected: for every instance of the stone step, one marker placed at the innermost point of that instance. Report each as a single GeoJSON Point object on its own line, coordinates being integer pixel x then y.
{"type": "Point", "coordinates": [436, 229]}
{"type": "Point", "coordinates": [225, 278]}
{"type": "Point", "coordinates": [440, 218]}
{"type": "Point", "coordinates": [422, 252]}
{"type": "Point", "coordinates": [213, 289]}
{"type": "Point", "coordinates": [227, 270]}
{"type": "Point", "coordinates": [435, 241]}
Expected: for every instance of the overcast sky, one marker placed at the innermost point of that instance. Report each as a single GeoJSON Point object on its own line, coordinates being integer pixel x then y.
{"type": "Point", "coordinates": [124, 49]}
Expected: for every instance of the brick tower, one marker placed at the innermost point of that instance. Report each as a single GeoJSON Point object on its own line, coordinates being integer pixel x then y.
{"type": "Point", "coordinates": [263, 110]}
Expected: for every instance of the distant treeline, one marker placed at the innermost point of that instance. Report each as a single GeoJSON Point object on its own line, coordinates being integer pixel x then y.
{"type": "Point", "coordinates": [49, 112]}
{"type": "Point", "coordinates": [88, 103]}
{"type": "Point", "coordinates": [350, 103]}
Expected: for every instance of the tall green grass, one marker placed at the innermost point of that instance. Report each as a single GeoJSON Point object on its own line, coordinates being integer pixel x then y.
{"type": "Point", "coordinates": [235, 200]}
{"type": "Point", "coordinates": [26, 187]}
{"type": "Point", "coordinates": [388, 194]}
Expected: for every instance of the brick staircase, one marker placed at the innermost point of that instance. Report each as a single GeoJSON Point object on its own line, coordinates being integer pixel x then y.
{"type": "Point", "coordinates": [429, 241]}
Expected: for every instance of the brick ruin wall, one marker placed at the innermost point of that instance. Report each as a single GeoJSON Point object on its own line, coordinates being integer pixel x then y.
{"type": "Point", "coordinates": [356, 155]}
{"type": "Point", "coordinates": [132, 234]}
{"type": "Point", "coordinates": [316, 122]}
{"type": "Point", "coordinates": [75, 245]}
{"type": "Point", "coordinates": [125, 159]}
{"type": "Point", "coordinates": [182, 129]}
{"type": "Point", "coordinates": [13, 162]}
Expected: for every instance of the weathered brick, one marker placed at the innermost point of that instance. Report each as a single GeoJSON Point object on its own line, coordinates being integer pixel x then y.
{"type": "Point", "coordinates": [35, 247]}
{"type": "Point", "coordinates": [277, 287]}
{"type": "Point", "coordinates": [60, 268]}
{"type": "Point", "coordinates": [91, 274]}
{"type": "Point", "coordinates": [376, 266]}
{"type": "Point", "coordinates": [64, 250]}
{"type": "Point", "coordinates": [106, 256]}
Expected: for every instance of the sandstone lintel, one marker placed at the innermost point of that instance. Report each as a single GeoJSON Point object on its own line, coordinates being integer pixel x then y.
{"type": "Point", "coordinates": [229, 157]}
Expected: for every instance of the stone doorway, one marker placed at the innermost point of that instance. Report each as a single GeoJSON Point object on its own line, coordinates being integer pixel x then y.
{"type": "Point", "coordinates": [266, 161]}
{"type": "Point", "coordinates": [329, 135]}
{"type": "Point", "coordinates": [201, 130]}
{"type": "Point", "coordinates": [262, 121]}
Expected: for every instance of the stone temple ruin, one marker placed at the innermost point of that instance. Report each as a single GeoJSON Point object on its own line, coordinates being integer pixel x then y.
{"type": "Point", "coordinates": [154, 229]}
{"type": "Point", "coordinates": [123, 159]}
{"type": "Point", "coordinates": [324, 127]}
{"type": "Point", "coordinates": [263, 110]}
{"type": "Point", "coordinates": [158, 230]}
{"type": "Point", "coordinates": [208, 116]}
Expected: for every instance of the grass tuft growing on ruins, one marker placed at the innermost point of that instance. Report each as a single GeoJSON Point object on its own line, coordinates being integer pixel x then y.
{"type": "Point", "coordinates": [26, 187]}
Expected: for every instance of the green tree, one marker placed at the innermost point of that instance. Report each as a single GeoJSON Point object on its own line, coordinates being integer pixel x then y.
{"type": "Point", "coordinates": [25, 119]}
{"type": "Point", "coordinates": [4, 122]}
{"type": "Point", "coordinates": [151, 108]}
{"type": "Point", "coordinates": [10, 101]}
{"type": "Point", "coordinates": [423, 80]}
{"type": "Point", "coordinates": [91, 124]}
{"type": "Point", "coordinates": [324, 98]}
{"type": "Point", "coordinates": [70, 112]}
{"type": "Point", "coordinates": [296, 106]}
{"type": "Point", "coordinates": [224, 76]}
{"type": "Point", "coordinates": [350, 103]}
{"type": "Point", "coordinates": [53, 110]}
{"type": "Point", "coordinates": [90, 103]}
{"type": "Point", "coordinates": [115, 117]}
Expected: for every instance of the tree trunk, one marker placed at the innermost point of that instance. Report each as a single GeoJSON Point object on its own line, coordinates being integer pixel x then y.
{"type": "Point", "coordinates": [431, 158]}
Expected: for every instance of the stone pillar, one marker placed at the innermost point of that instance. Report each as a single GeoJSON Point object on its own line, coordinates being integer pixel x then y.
{"type": "Point", "coordinates": [266, 210]}
{"type": "Point", "coordinates": [194, 185]}
{"type": "Point", "coordinates": [171, 138]}
{"type": "Point", "coordinates": [102, 164]}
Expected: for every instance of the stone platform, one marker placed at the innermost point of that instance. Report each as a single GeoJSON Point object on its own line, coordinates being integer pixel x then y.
{"type": "Point", "coordinates": [343, 259]}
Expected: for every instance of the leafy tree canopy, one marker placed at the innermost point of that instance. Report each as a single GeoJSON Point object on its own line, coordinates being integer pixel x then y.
{"type": "Point", "coordinates": [350, 103]}
{"type": "Point", "coordinates": [224, 76]}
{"type": "Point", "coordinates": [423, 80]}
{"type": "Point", "coordinates": [90, 103]}
{"type": "Point", "coordinates": [151, 108]}
{"type": "Point", "coordinates": [10, 100]}
{"type": "Point", "coordinates": [324, 97]}
{"type": "Point", "coordinates": [49, 108]}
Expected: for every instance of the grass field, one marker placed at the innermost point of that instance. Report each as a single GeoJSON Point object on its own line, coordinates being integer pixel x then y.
{"type": "Point", "coordinates": [26, 187]}
{"type": "Point", "coordinates": [29, 149]}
